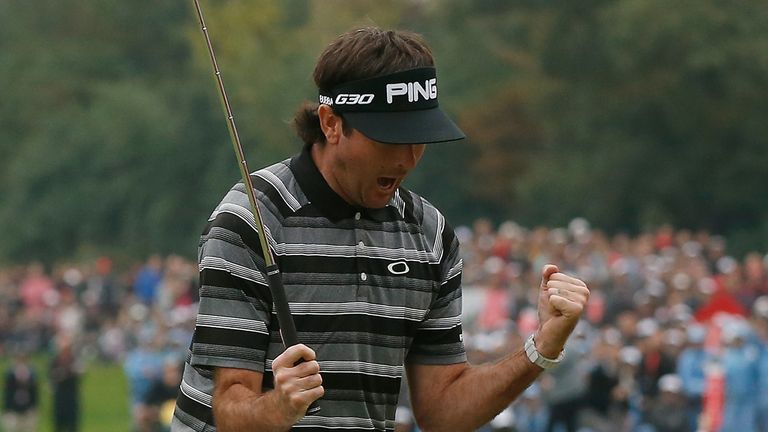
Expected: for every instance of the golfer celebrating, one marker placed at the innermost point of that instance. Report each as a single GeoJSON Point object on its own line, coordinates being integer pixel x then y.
{"type": "Point", "coordinates": [371, 271]}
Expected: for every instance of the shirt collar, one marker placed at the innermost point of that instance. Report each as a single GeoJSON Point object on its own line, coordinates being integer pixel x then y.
{"type": "Point", "coordinates": [328, 202]}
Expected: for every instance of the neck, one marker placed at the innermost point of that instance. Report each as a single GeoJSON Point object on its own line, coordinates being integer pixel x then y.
{"type": "Point", "coordinates": [324, 163]}
{"type": "Point", "coordinates": [320, 158]}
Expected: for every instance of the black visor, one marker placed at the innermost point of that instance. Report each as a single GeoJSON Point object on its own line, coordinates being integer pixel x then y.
{"type": "Point", "coordinates": [399, 108]}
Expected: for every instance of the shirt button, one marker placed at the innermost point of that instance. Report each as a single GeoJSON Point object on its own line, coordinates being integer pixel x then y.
{"type": "Point", "coordinates": [363, 276]}
{"type": "Point", "coordinates": [357, 216]}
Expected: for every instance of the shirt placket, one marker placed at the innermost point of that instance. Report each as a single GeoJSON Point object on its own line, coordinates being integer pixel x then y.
{"type": "Point", "coordinates": [363, 276]}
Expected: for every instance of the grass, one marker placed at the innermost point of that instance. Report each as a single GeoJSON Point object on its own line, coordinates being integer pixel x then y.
{"type": "Point", "coordinates": [105, 400]}
{"type": "Point", "coordinates": [103, 392]}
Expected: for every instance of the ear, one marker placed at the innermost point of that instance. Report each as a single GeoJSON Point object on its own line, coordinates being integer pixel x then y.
{"type": "Point", "coordinates": [330, 123]}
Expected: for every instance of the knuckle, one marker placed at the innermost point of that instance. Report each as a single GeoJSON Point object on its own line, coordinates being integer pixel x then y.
{"type": "Point", "coordinates": [306, 369]}
{"type": "Point", "coordinates": [285, 358]}
{"type": "Point", "coordinates": [281, 384]}
{"type": "Point", "coordinates": [306, 352]}
{"type": "Point", "coordinates": [277, 363]}
{"type": "Point", "coordinates": [318, 392]}
{"type": "Point", "coordinates": [314, 381]}
{"type": "Point", "coordinates": [296, 401]}
{"type": "Point", "coordinates": [281, 378]}
{"type": "Point", "coordinates": [278, 374]}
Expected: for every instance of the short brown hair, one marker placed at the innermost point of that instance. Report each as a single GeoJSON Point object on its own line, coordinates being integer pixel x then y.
{"type": "Point", "coordinates": [358, 54]}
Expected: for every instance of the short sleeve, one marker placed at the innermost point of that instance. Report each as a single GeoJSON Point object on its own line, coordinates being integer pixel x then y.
{"type": "Point", "coordinates": [232, 327]}
{"type": "Point", "coordinates": [438, 339]}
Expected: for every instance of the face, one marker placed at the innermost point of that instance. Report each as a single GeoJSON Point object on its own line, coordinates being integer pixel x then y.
{"type": "Point", "coordinates": [367, 173]}
{"type": "Point", "coordinates": [364, 172]}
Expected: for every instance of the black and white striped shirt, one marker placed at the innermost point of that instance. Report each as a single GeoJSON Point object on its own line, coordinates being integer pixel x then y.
{"type": "Point", "coordinates": [369, 290]}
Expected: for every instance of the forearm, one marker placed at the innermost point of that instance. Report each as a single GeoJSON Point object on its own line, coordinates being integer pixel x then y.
{"type": "Point", "coordinates": [478, 394]}
{"type": "Point", "coordinates": [240, 409]}
{"type": "Point", "coordinates": [240, 404]}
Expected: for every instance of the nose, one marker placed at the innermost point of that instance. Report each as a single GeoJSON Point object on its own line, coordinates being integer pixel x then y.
{"type": "Point", "coordinates": [409, 155]}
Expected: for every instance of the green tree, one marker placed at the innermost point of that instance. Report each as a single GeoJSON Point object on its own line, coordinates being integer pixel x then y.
{"type": "Point", "coordinates": [660, 118]}
{"type": "Point", "coordinates": [629, 112]}
{"type": "Point", "coordinates": [98, 152]}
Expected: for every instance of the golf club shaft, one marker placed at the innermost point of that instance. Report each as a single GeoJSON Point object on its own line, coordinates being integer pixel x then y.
{"type": "Point", "coordinates": [287, 327]}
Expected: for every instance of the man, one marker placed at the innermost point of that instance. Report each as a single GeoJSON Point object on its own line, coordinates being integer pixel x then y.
{"type": "Point", "coordinates": [667, 412]}
{"type": "Point", "coordinates": [740, 362]}
{"type": "Point", "coordinates": [160, 399]}
{"type": "Point", "coordinates": [690, 368]}
{"type": "Point", "coordinates": [20, 395]}
{"type": "Point", "coordinates": [371, 270]}
{"type": "Point", "coordinates": [65, 372]}
{"type": "Point", "coordinates": [760, 324]}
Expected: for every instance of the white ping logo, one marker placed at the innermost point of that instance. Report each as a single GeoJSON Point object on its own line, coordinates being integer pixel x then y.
{"type": "Point", "coordinates": [414, 90]}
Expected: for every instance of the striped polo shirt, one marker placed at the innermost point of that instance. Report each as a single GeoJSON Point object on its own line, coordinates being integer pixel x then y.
{"type": "Point", "coordinates": [369, 290]}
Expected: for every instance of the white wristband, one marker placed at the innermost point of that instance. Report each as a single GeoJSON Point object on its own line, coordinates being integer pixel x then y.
{"type": "Point", "coordinates": [539, 360]}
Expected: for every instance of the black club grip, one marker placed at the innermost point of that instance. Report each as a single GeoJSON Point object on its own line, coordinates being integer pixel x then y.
{"type": "Point", "coordinates": [287, 327]}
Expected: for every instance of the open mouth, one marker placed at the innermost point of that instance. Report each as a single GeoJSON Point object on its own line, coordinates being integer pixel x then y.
{"type": "Point", "coordinates": [386, 182]}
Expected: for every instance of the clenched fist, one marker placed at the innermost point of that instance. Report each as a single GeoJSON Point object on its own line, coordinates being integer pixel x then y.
{"type": "Point", "coordinates": [562, 299]}
{"type": "Point", "coordinates": [297, 384]}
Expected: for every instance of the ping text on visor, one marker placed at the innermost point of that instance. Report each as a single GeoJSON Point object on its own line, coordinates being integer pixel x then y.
{"type": "Point", "coordinates": [414, 89]}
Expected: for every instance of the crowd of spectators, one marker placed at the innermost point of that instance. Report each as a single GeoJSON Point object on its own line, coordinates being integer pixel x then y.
{"type": "Point", "coordinates": [141, 318]}
{"type": "Point", "coordinates": [675, 336]}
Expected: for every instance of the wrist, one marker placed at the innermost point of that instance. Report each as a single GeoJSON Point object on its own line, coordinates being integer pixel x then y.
{"type": "Point", "coordinates": [545, 347]}
{"type": "Point", "coordinates": [538, 358]}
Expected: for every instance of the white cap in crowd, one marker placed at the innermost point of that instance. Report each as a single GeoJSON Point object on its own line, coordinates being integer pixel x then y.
{"type": "Point", "coordinates": [670, 383]}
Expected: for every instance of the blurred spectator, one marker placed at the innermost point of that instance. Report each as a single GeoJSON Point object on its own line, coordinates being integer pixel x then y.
{"type": "Point", "coordinates": [755, 279]}
{"type": "Point", "coordinates": [628, 392]}
{"type": "Point", "coordinates": [496, 310]}
{"type": "Point", "coordinates": [68, 318]}
{"type": "Point", "coordinates": [65, 372]}
{"type": "Point", "coordinates": [604, 407]}
{"type": "Point", "coordinates": [721, 300]}
{"type": "Point", "coordinates": [655, 362]}
{"type": "Point", "coordinates": [20, 396]}
{"type": "Point", "coordinates": [174, 304]}
{"type": "Point", "coordinates": [160, 399]}
{"type": "Point", "coordinates": [147, 280]}
{"type": "Point", "coordinates": [102, 289]}
{"type": "Point", "coordinates": [690, 368]}
{"type": "Point", "coordinates": [667, 413]}
{"type": "Point", "coordinates": [760, 321]}
{"type": "Point", "coordinates": [36, 290]}
{"type": "Point", "coordinates": [530, 412]}
{"type": "Point", "coordinates": [564, 386]}
{"type": "Point", "coordinates": [143, 366]}
{"type": "Point", "coordinates": [740, 363]}
{"type": "Point", "coordinates": [113, 341]}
